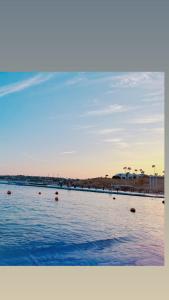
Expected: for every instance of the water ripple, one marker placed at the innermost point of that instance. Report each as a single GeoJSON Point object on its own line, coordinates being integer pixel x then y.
{"type": "Point", "coordinates": [80, 229]}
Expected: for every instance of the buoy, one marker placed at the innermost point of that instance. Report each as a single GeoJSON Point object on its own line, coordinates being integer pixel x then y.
{"type": "Point", "coordinates": [9, 192]}
{"type": "Point", "coordinates": [114, 198]}
{"type": "Point", "coordinates": [56, 193]}
{"type": "Point", "coordinates": [133, 210]}
{"type": "Point", "coordinates": [56, 199]}
{"type": "Point", "coordinates": [39, 193]}
{"type": "Point", "coordinates": [163, 202]}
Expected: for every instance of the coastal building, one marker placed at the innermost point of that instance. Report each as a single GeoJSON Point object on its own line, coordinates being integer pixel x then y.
{"type": "Point", "coordinates": [126, 176]}
{"type": "Point", "coordinates": [156, 183]}
{"type": "Point", "coordinates": [139, 182]}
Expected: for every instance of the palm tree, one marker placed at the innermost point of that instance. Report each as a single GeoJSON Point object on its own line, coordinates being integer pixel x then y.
{"type": "Point", "coordinates": [125, 168]}
{"type": "Point", "coordinates": [154, 166]}
{"type": "Point", "coordinates": [129, 169]}
{"type": "Point", "coordinates": [135, 175]}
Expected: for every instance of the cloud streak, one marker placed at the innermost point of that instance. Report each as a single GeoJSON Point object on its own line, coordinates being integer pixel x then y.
{"type": "Point", "coordinates": [107, 131]}
{"type": "Point", "coordinates": [146, 80]}
{"type": "Point", "coordinates": [68, 152]}
{"type": "Point", "coordinates": [117, 142]}
{"type": "Point", "coordinates": [25, 84]}
{"type": "Point", "coordinates": [139, 79]}
{"type": "Point", "coordinates": [112, 140]}
{"type": "Point", "coordinates": [155, 97]}
{"type": "Point", "coordinates": [148, 120]}
{"type": "Point", "coordinates": [108, 110]}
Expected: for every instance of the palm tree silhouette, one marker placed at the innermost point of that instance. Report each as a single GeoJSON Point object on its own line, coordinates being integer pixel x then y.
{"type": "Point", "coordinates": [154, 166]}
{"type": "Point", "coordinates": [128, 173]}
{"type": "Point", "coordinates": [125, 168]}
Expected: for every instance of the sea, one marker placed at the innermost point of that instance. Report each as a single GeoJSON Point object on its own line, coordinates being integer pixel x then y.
{"type": "Point", "coordinates": [80, 229]}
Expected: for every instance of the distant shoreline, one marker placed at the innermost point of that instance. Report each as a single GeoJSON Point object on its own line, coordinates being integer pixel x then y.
{"type": "Point", "coordinates": [94, 190]}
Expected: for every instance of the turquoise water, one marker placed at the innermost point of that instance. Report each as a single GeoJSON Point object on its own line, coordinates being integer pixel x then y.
{"type": "Point", "coordinates": [82, 228]}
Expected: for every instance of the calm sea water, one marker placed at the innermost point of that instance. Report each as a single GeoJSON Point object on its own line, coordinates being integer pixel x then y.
{"type": "Point", "coordinates": [83, 228]}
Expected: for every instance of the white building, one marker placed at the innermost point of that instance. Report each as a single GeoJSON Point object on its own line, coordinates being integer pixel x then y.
{"type": "Point", "coordinates": [127, 175]}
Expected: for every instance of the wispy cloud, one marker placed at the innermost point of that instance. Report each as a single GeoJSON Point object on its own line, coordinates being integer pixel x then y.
{"type": "Point", "coordinates": [148, 119]}
{"type": "Point", "coordinates": [74, 81]}
{"type": "Point", "coordinates": [139, 79]}
{"type": "Point", "coordinates": [85, 79]}
{"type": "Point", "coordinates": [154, 97]}
{"type": "Point", "coordinates": [117, 142]}
{"type": "Point", "coordinates": [108, 110]}
{"type": "Point", "coordinates": [146, 80]}
{"type": "Point", "coordinates": [68, 152]}
{"type": "Point", "coordinates": [107, 131]}
{"type": "Point", "coordinates": [104, 131]}
{"type": "Point", "coordinates": [152, 132]}
{"type": "Point", "coordinates": [25, 84]}
{"type": "Point", "coordinates": [112, 140]}
{"type": "Point", "coordinates": [149, 81]}
{"type": "Point", "coordinates": [84, 127]}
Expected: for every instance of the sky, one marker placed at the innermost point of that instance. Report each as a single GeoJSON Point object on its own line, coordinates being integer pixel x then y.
{"type": "Point", "coordinates": [81, 124]}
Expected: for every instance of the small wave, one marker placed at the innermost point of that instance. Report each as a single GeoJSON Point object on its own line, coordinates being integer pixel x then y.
{"type": "Point", "coordinates": [99, 244]}
{"type": "Point", "coordinates": [58, 253]}
{"type": "Point", "coordinates": [49, 252]}
{"type": "Point", "coordinates": [96, 244]}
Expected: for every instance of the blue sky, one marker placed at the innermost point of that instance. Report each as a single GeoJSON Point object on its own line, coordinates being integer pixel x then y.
{"type": "Point", "coordinates": [81, 124]}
